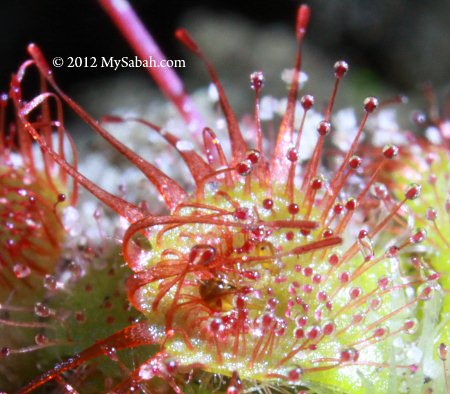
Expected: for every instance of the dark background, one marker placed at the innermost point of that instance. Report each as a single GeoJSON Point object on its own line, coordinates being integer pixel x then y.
{"type": "Point", "coordinates": [405, 42]}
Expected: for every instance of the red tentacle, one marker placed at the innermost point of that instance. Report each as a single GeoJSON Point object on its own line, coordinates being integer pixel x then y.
{"type": "Point", "coordinates": [170, 190]}
{"type": "Point", "coordinates": [154, 367]}
{"type": "Point", "coordinates": [281, 164]}
{"type": "Point", "coordinates": [136, 335]}
{"type": "Point", "coordinates": [238, 145]}
{"type": "Point", "coordinates": [197, 166]}
{"type": "Point", "coordinates": [122, 207]}
{"type": "Point", "coordinates": [214, 153]}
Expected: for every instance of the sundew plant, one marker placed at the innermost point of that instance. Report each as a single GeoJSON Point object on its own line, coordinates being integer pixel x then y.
{"type": "Point", "coordinates": [302, 257]}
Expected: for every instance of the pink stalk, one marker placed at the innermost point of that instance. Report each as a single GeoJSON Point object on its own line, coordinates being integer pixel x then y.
{"type": "Point", "coordinates": [144, 45]}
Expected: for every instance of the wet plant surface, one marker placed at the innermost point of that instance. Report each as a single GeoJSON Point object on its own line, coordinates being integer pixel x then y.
{"type": "Point", "coordinates": [292, 263]}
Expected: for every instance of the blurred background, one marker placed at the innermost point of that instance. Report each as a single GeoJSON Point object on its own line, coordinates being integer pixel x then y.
{"type": "Point", "coordinates": [393, 46]}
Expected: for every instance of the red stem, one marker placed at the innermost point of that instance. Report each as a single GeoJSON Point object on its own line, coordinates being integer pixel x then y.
{"type": "Point", "coordinates": [144, 45]}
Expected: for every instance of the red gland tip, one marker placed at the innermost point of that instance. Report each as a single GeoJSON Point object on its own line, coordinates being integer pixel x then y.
{"type": "Point", "coordinates": [413, 191]}
{"type": "Point", "coordinates": [307, 102]}
{"type": "Point", "coordinates": [316, 183]}
{"type": "Point", "coordinates": [426, 293]}
{"type": "Point", "coordinates": [328, 328]}
{"type": "Point", "coordinates": [340, 69]}
{"type": "Point", "coordinates": [355, 292]}
{"type": "Point", "coordinates": [241, 213]}
{"type": "Point", "coordinates": [327, 233]}
{"type": "Point", "coordinates": [292, 155]}
{"type": "Point", "coordinates": [202, 254]}
{"type": "Point", "coordinates": [349, 355]}
{"type": "Point", "coordinates": [253, 155]}
{"type": "Point", "coordinates": [257, 80]}
{"type": "Point", "coordinates": [303, 15]}
{"type": "Point", "coordinates": [324, 128]}
{"type": "Point", "coordinates": [419, 236]}
{"type": "Point", "coordinates": [355, 162]}
{"type": "Point", "coordinates": [350, 204]}
{"type": "Point", "coordinates": [370, 104]}
{"type": "Point", "coordinates": [380, 332]}
{"type": "Point", "coordinates": [268, 203]}
{"type": "Point", "coordinates": [295, 374]}
{"type": "Point", "coordinates": [410, 326]}
{"type": "Point", "coordinates": [431, 214]}
{"type": "Point", "coordinates": [185, 38]}
{"type": "Point", "coordinates": [362, 234]}
{"type": "Point", "coordinates": [333, 259]}
{"type": "Point", "coordinates": [390, 151]}
{"type": "Point", "coordinates": [293, 208]}
{"type": "Point", "coordinates": [244, 167]}
{"type": "Point", "coordinates": [338, 208]}
{"type": "Point", "coordinates": [41, 310]}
